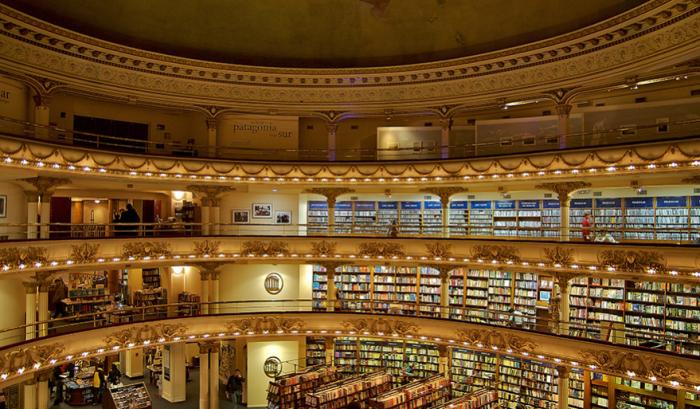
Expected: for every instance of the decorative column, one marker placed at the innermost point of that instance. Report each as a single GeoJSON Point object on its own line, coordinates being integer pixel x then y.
{"type": "Point", "coordinates": [214, 295]}
{"type": "Point", "coordinates": [41, 115]}
{"type": "Point", "coordinates": [30, 309]}
{"type": "Point", "coordinates": [44, 187]}
{"type": "Point", "coordinates": [204, 376]}
{"type": "Point", "coordinates": [332, 129]}
{"type": "Point", "coordinates": [445, 125]}
{"type": "Point", "coordinates": [331, 289]}
{"type": "Point", "coordinates": [42, 393]}
{"type": "Point", "coordinates": [215, 215]}
{"type": "Point", "coordinates": [211, 212]}
{"type": "Point", "coordinates": [205, 216]}
{"type": "Point", "coordinates": [204, 296]}
{"type": "Point", "coordinates": [564, 191]}
{"type": "Point", "coordinates": [444, 270]}
{"type": "Point", "coordinates": [32, 213]}
{"type": "Point", "coordinates": [562, 282]}
{"type": "Point", "coordinates": [443, 363]}
{"type": "Point", "coordinates": [563, 111]}
{"type": "Point", "coordinates": [212, 137]}
{"type": "Point", "coordinates": [214, 375]}
{"type": "Point", "coordinates": [44, 283]}
{"type": "Point", "coordinates": [445, 193]}
{"type": "Point", "coordinates": [331, 194]}
{"type": "Point", "coordinates": [563, 387]}
{"type": "Point", "coordinates": [29, 392]}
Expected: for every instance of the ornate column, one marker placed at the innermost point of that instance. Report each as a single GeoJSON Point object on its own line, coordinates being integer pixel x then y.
{"type": "Point", "coordinates": [29, 391]}
{"type": "Point", "coordinates": [42, 392]}
{"type": "Point", "coordinates": [32, 213]}
{"type": "Point", "coordinates": [214, 295]}
{"type": "Point", "coordinates": [445, 125]}
{"type": "Point", "coordinates": [204, 296]}
{"type": "Point", "coordinates": [211, 212]}
{"type": "Point", "coordinates": [214, 215]}
{"type": "Point", "coordinates": [331, 194]}
{"type": "Point", "coordinates": [444, 270]}
{"type": "Point", "coordinates": [562, 283]}
{"type": "Point", "coordinates": [564, 191]}
{"type": "Point", "coordinates": [563, 111]}
{"type": "Point", "coordinates": [45, 187]}
{"type": "Point", "coordinates": [44, 283]}
{"type": "Point", "coordinates": [212, 137]}
{"type": "Point", "coordinates": [204, 375]}
{"type": "Point", "coordinates": [563, 387]}
{"type": "Point", "coordinates": [331, 289]}
{"type": "Point", "coordinates": [445, 193]}
{"type": "Point", "coordinates": [30, 288]}
{"type": "Point", "coordinates": [42, 115]}
{"type": "Point", "coordinates": [332, 129]}
{"type": "Point", "coordinates": [205, 216]}
{"type": "Point", "coordinates": [214, 375]}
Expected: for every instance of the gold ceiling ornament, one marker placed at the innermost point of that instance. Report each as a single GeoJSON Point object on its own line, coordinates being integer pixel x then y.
{"type": "Point", "coordinates": [84, 253]}
{"type": "Point", "coordinates": [439, 249]}
{"type": "Point", "coordinates": [376, 249]}
{"type": "Point", "coordinates": [444, 192]}
{"type": "Point", "coordinates": [146, 249]}
{"type": "Point", "coordinates": [332, 265]}
{"type": "Point", "coordinates": [12, 361]}
{"type": "Point", "coordinates": [138, 334]}
{"type": "Point", "coordinates": [206, 247]}
{"type": "Point", "coordinates": [632, 260]}
{"type": "Point", "coordinates": [381, 326]}
{"type": "Point", "coordinates": [642, 365]}
{"type": "Point", "coordinates": [14, 257]}
{"type": "Point", "coordinates": [322, 248]}
{"type": "Point", "coordinates": [501, 339]}
{"type": "Point", "coordinates": [266, 324]}
{"type": "Point", "coordinates": [259, 247]}
{"type": "Point", "coordinates": [210, 195]}
{"type": "Point", "coordinates": [500, 253]}
{"type": "Point", "coordinates": [44, 184]}
{"type": "Point", "coordinates": [559, 255]}
{"type": "Point", "coordinates": [563, 189]}
{"type": "Point", "coordinates": [330, 193]}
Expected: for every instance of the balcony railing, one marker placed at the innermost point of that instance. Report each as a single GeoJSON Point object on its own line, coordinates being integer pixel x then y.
{"type": "Point", "coordinates": [115, 314]}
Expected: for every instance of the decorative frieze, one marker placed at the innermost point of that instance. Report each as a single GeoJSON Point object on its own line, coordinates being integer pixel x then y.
{"type": "Point", "coordinates": [500, 339]}
{"type": "Point", "coordinates": [323, 248]}
{"type": "Point", "coordinates": [633, 364]}
{"type": "Point", "coordinates": [376, 249]}
{"type": "Point", "coordinates": [501, 254]}
{"type": "Point", "coordinates": [260, 248]}
{"type": "Point", "coordinates": [381, 326]}
{"type": "Point", "coordinates": [206, 247]}
{"type": "Point", "coordinates": [25, 358]}
{"type": "Point", "coordinates": [559, 255]}
{"type": "Point", "coordinates": [265, 324]}
{"type": "Point", "coordinates": [17, 257]}
{"type": "Point", "coordinates": [633, 261]}
{"type": "Point", "coordinates": [141, 249]}
{"type": "Point", "coordinates": [84, 253]}
{"type": "Point", "coordinates": [139, 334]}
{"type": "Point", "coordinates": [439, 250]}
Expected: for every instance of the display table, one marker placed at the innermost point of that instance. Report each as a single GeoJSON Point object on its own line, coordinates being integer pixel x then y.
{"type": "Point", "coordinates": [78, 392]}
{"type": "Point", "coordinates": [133, 396]}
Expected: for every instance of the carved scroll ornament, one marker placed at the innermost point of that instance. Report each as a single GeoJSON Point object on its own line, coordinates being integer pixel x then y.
{"type": "Point", "coordinates": [558, 255]}
{"type": "Point", "coordinates": [382, 326]}
{"type": "Point", "coordinates": [628, 363]}
{"type": "Point", "coordinates": [12, 361]}
{"type": "Point", "coordinates": [322, 248]}
{"type": "Point", "coordinates": [206, 247]}
{"type": "Point", "coordinates": [13, 257]}
{"type": "Point", "coordinates": [500, 339]}
{"type": "Point", "coordinates": [632, 261]}
{"type": "Point", "coordinates": [146, 249]}
{"type": "Point", "coordinates": [265, 324]}
{"type": "Point", "coordinates": [501, 254]}
{"type": "Point", "coordinates": [84, 253]}
{"type": "Point", "coordinates": [143, 333]}
{"type": "Point", "coordinates": [438, 249]}
{"type": "Point", "coordinates": [259, 248]}
{"type": "Point", "coordinates": [381, 249]}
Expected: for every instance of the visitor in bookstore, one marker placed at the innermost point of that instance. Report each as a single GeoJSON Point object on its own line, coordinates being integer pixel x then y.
{"type": "Point", "coordinates": [234, 388]}
{"type": "Point", "coordinates": [114, 376]}
{"type": "Point", "coordinates": [98, 385]}
{"type": "Point", "coordinates": [130, 216]}
{"type": "Point", "coordinates": [60, 292]}
{"type": "Point", "coordinates": [516, 318]}
{"type": "Point", "coordinates": [586, 227]}
{"type": "Point", "coordinates": [393, 229]}
{"type": "Point", "coordinates": [605, 237]}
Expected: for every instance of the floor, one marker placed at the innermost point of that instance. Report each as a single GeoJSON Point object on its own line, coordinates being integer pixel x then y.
{"type": "Point", "coordinates": [192, 394]}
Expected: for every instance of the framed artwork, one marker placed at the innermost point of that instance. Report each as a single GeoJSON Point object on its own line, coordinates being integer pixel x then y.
{"type": "Point", "coordinates": [283, 217]}
{"type": "Point", "coordinates": [262, 210]}
{"type": "Point", "coordinates": [3, 206]}
{"type": "Point", "coordinates": [240, 216]}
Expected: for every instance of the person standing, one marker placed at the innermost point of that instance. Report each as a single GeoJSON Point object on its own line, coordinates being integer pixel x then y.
{"type": "Point", "coordinates": [132, 217]}
{"type": "Point", "coordinates": [586, 224]}
{"type": "Point", "coordinates": [59, 294]}
{"type": "Point", "coordinates": [234, 387]}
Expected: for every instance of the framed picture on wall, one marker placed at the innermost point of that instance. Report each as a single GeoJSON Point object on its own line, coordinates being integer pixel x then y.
{"type": "Point", "coordinates": [262, 210]}
{"type": "Point", "coordinates": [240, 216]}
{"type": "Point", "coordinates": [3, 206]}
{"type": "Point", "coordinates": [283, 217]}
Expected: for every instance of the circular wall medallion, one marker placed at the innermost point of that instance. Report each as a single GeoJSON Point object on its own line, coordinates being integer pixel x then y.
{"type": "Point", "coordinates": [274, 283]}
{"type": "Point", "coordinates": [272, 367]}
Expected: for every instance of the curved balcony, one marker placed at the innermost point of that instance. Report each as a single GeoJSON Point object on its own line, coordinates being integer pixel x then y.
{"type": "Point", "coordinates": [123, 329]}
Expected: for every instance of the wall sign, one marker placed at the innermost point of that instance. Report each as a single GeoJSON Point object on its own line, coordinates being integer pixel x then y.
{"type": "Point", "coordinates": [274, 283]}
{"type": "Point", "coordinates": [272, 367]}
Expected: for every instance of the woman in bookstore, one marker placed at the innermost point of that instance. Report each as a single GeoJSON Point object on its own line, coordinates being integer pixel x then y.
{"type": "Point", "coordinates": [60, 292]}
{"type": "Point", "coordinates": [234, 388]}
{"type": "Point", "coordinates": [586, 227]}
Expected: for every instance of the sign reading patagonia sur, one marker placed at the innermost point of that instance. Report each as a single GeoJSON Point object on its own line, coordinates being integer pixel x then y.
{"type": "Point", "coordinates": [258, 132]}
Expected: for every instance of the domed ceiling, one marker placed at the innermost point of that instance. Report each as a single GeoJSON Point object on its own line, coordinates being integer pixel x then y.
{"type": "Point", "coordinates": [323, 33]}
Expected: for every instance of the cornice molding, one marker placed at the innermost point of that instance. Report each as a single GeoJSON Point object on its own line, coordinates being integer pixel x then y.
{"type": "Point", "coordinates": [657, 32]}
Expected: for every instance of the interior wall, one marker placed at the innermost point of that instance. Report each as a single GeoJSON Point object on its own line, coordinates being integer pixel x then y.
{"type": "Point", "coordinates": [14, 104]}
{"type": "Point", "coordinates": [12, 303]}
{"type": "Point", "coordinates": [241, 200]}
{"type": "Point", "coordinates": [99, 212]}
{"type": "Point", "coordinates": [15, 212]}
{"type": "Point", "coordinates": [257, 382]}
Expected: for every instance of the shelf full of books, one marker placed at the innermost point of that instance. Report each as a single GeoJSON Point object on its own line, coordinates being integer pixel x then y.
{"type": "Point", "coordinates": [317, 217]}
{"type": "Point", "coordinates": [432, 218]}
{"type": "Point", "coordinates": [578, 208]}
{"type": "Point", "coordinates": [505, 218]}
{"type": "Point", "coordinates": [410, 217]}
{"type": "Point", "coordinates": [481, 399]}
{"type": "Point", "coordinates": [359, 388]}
{"type": "Point", "coordinates": [472, 370]}
{"type": "Point", "coordinates": [529, 218]}
{"type": "Point", "coordinates": [289, 391]}
{"type": "Point", "coordinates": [551, 218]}
{"type": "Point", "coordinates": [134, 396]}
{"type": "Point", "coordinates": [459, 218]}
{"type": "Point", "coordinates": [480, 218]}
{"type": "Point", "coordinates": [365, 217]}
{"type": "Point", "coordinates": [315, 351]}
{"type": "Point", "coordinates": [527, 383]}
{"type": "Point", "coordinates": [424, 393]}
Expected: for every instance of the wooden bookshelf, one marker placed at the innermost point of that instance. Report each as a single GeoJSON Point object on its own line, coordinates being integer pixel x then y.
{"type": "Point", "coordinates": [419, 394]}
{"type": "Point", "coordinates": [481, 399]}
{"type": "Point", "coordinates": [289, 391]}
{"type": "Point", "coordinates": [339, 394]}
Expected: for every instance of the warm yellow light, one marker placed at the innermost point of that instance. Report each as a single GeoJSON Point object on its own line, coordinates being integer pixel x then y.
{"type": "Point", "coordinates": [178, 195]}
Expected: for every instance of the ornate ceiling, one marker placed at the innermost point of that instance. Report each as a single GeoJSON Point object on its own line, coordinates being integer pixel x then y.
{"type": "Point", "coordinates": [323, 33]}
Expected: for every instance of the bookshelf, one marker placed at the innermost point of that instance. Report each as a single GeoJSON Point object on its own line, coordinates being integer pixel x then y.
{"type": "Point", "coordinates": [429, 291]}
{"type": "Point", "coordinates": [424, 393]}
{"type": "Point", "coordinates": [155, 298]}
{"type": "Point", "coordinates": [577, 388]}
{"type": "Point", "coordinates": [86, 300]}
{"type": "Point", "coordinates": [578, 296]}
{"type": "Point", "coordinates": [529, 218]}
{"type": "Point", "coordinates": [358, 388]}
{"type": "Point", "coordinates": [605, 301]}
{"type": "Point", "coordinates": [365, 217]}
{"type": "Point", "coordinates": [406, 287]}
{"type": "Point", "coordinates": [482, 399]}
{"type": "Point", "coordinates": [345, 355]}
{"type": "Point", "coordinates": [387, 213]}
{"type": "Point", "coordinates": [459, 218]}
{"type": "Point", "coordinates": [354, 282]}
{"type": "Point", "coordinates": [505, 218]}
{"type": "Point", "coordinates": [599, 390]}
{"type": "Point", "coordinates": [577, 209]}
{"type": "Point", "coordinates": [551, 218]}
{"type": "Point", "coordinates": [472, 370]}
{"type": "Point", "coordinates": [371, 354]}
{"type": "Point", "coordinates": [384, 286]}
{"type": "Point", "coordinates": [607, 216]}
{"type": "Point", "coordinates": [525, 297]}
{"type": "Point", "coordinates": [456, 293]}
{"type": "Point", "coordinates": [644, 310]}
{"type": "Point", "coordinates": [423, 358]}
{"type": "Point", "coordinates": [634, 394]}
{"type": "Point", "coordinates": [639, 218]}
{"type": "Point", "coordinates": [315, 351]}
{"type": "Point", "coordinates": [500, 293]}
{"type": "Point", "coordinates": [672, 218]}
{"type": "Point", "coordinates": [480, 218]}
{"type": "Point", "coordinates": [527, 383]}
{"type": "Point", "coordinates": [133, 396]}
{"type": "Point", "coordinates": [289, 391]}
{"type": "Point", "coordinates": [694, 218]}
{"type": "Point", "coordinates": [343, 217]}
{"type": "Point", "coordinates": [317, 217]}
{"type": "Point", "coordinates": [432, 218]}
{"type": "Point", "coordinates": [319, 288]}
{"type": "Point", "coordinates": [151, 278]}
{"type": "Point", "coordinates": [188, 310]}
{"type": "Point", "coordinates": [410, 218]}
{"type": "Point", "coordinates": [683, 314]}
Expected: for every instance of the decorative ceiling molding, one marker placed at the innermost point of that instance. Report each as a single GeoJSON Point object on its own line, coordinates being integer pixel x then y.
{"type": "Point", "coordinates": [659, 31]}
{"type": "Point", "coordinates": [265, 324]}
{"type": "Point", "coordinates": [139, 334]}
{"type": "Point", "coordinates": [84, 253]}
{"type": "Point", "coordinates": [206, 247]}
{"type": "Point", "coordinates": [505, 341]}
{"type": "Point", "coordinates": [625, 363]}
{"type": "Point", "coordinates": [265, 248]}
{"type": "Point", "coordinates": [146, 249]}
{"type": "Point", "coordinates": [382, 326]}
